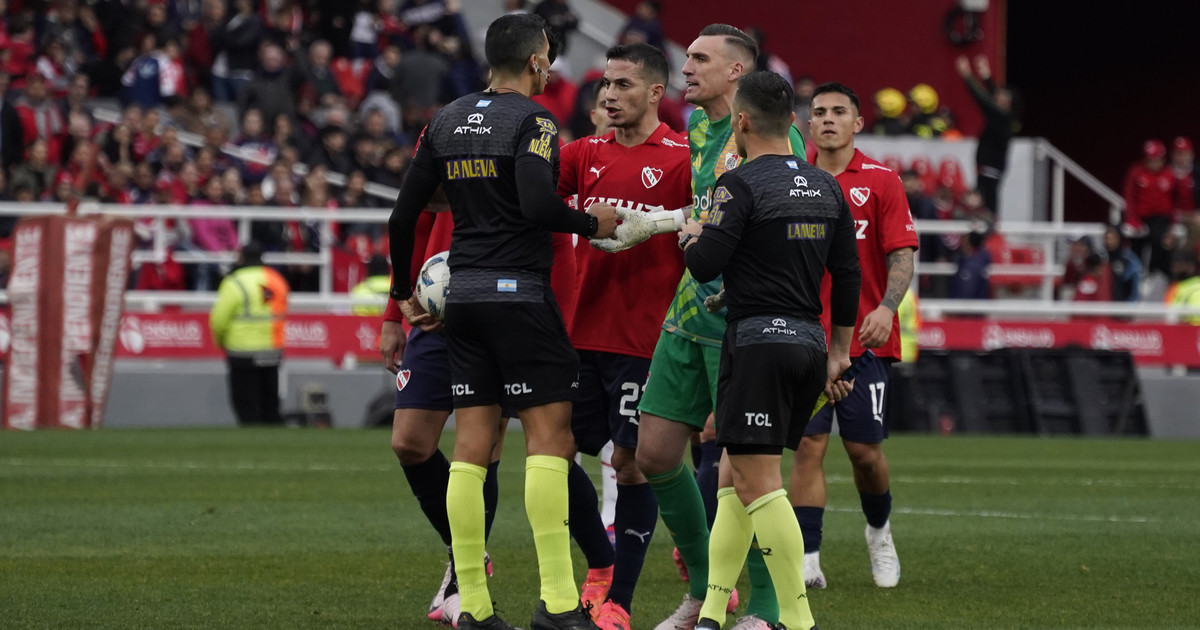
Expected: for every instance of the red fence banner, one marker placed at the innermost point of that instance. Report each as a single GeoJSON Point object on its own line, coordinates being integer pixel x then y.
{"type": "Point", "coordinates": [1150, 344]}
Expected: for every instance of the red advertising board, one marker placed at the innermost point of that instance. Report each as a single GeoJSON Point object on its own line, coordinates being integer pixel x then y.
{"type": "Point", "coordinates": [1150, 344]}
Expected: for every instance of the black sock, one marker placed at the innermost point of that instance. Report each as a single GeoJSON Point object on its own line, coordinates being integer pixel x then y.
{"type": "Point", "coordinates": [428, 482]}
{"type": "Point", "coordinates": [707, 476]}
{"type": "Point", "coordinates": [637, 514]}
{"type": "Point", "coordinates": [491, 497]}
{"type": "Point", "coordinates": [586, 527]}
{"type": "Point", "coordinates": [811, 519]}
{"type": "Point", "coordinates": [876, 507]}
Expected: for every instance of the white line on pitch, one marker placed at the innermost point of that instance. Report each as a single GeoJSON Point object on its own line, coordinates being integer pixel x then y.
{"type": "Point", "coordinates": [1175, 484]}
{"type": "Point", "coordinates": [1090, 518]}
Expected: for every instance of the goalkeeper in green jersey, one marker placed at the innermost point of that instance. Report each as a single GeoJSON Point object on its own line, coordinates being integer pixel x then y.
{"type": "Point", "coordinates": [680, 392]}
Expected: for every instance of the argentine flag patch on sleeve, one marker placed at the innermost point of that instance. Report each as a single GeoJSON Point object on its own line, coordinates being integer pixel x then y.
{"type": "Point", "coordinates": [505, 285]}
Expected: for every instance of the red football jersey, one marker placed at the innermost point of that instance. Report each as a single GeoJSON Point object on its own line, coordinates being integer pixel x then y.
{"type": "Point", "coordinates": [623, 297]}
{"type": "Point", "coordinates": [882, 224]}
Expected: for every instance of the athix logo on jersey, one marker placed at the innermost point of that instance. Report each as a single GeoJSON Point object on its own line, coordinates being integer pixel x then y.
{"type": "Point", "coordinates": [860, 195]}
{"type": "Point", "coordinates": [474, 126]}
{"type": "Point", "coordinates": [402, 378]}
{"type": "Point", "coordinates": [651, 176]}
{"type": "Point", "coordinates": [779, 321]}
{"type": "Point", "coordinates": [800, 181]}
{"type": "Point", "coordinates": [475, 119]}
{"type": "Point", "coordinates": [597, 171]}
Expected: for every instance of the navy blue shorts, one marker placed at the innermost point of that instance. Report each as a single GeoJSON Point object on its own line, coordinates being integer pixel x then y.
{"type": "Point", "coordinates": [863, 416]}
{"type": "Point", "coordinates": [423, 381]}
{"type": "Point", "coordinates": [424, 378]}
{"type": "Point", "coordinates": [606, 402]}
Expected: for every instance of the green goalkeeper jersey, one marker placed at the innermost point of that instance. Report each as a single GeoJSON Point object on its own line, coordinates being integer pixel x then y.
{"type": "Point", "coordinates": [713, 153]}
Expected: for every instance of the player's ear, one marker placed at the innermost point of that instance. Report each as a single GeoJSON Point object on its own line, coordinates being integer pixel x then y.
{"type": "Point", "coordinates": [656, 93]}
{"type": "Point", "coordinates": [859, 123]}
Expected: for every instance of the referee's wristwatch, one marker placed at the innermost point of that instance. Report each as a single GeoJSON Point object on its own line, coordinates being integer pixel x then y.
{"type": "Point", "coordinates": [400, 294]}
{"type": "Point", "coordinates": [593, 224]}
{"type": "Point", "coordinates": [687, 238]}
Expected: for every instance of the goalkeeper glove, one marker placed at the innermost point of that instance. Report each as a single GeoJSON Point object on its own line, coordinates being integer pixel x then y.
{"type": "Point", "coordinates": [714, 303]}
{"type": "Point", "coordinates": [637, 226]}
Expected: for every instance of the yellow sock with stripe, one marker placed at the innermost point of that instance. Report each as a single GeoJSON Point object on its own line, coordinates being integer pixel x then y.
{"type": "Point", "coordinates": [465, 511]}
{"type": "Point", "coordinates": [727, 545]}
{"type": "Point", "coordinates": [783, 548]}
{"type": "Point", "coordinates": [546, 505]}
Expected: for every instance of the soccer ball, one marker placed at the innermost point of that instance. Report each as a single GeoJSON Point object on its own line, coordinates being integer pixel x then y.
{"type": "Point", "coordinates": [433, 283]}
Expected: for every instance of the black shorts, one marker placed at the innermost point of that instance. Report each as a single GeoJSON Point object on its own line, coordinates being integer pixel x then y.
{"type": "Point", "coordinates": [606, 401]}
{"type": "Point", "coordinates": [863, 416]}
{"type": "Point", "coordinates": [772, 371]}
{"type": "Point", "coordinates": [423, 381]}
{"type": "Point", "coordinates": [506, 341]}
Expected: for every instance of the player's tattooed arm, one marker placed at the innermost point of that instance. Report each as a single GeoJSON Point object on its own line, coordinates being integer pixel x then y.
{"type": "Point", "coordinates": [900, 274]}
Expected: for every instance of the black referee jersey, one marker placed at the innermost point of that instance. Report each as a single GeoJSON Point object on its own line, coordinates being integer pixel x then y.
{"type": "Point", "coordinates": [496, 157]}
{"type": "Point", "coordinates": [776, 224]}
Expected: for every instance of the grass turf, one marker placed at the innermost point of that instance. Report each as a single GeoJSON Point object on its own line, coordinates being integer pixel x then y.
{"type": "Point", "coordinates": [317, 529]}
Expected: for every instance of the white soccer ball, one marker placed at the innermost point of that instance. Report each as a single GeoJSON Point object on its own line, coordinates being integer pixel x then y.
{"type": "Point", "coordinates": [433, 283]}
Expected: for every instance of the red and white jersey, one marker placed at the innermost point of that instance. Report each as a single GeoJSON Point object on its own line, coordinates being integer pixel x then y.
{"type": "Point", "coordinates": [882, 224]}
{"type": "Point", "coordinates": [623, 297]}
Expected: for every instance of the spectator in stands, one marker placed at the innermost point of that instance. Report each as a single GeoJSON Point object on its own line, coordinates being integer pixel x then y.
{"type": "Point", "coordinates": [155, 76]}
{"type": "Point", "coordinates": [206, 165]}
{"type": "Point", "coordinates": [142, 192]}
{"type": "Point", "coordinates": [1094, 284]}
{"type": "Point", "coordinates": [257, 150]}
{"type": "Point", "coordinates": [802, 93]}
{"type": "Point", "coordinates": [41, 118]}
{"type": "Point", "coordinates": [1075, 266]}
{"type": "Point", "coordinates": [12, 131]}
{"type": "Point", "coordinates": [146, 138]}
{"type": "Point", "coordinates": [235, 45]}
{"type": "Point", "coordinates": [1000, 123]}
{"type": "Point", "coordinates": [422, 69]}
{"type": "Point", "coordinates": [198, 113]}
{"type": "Point", "coordinates": [1124, 267]}
{"type": "Point", "coordinates": [365, 156]}
{"type": "Point", "coordinates": [1183, 167]}
{"type": "Point", "coordinates": [76, 31]}
{"type": "Point", "coordinates": [235, 191]}
{"type": "Point", "coordinates": [199, 53]}
{"type": "Point", "coordinates": [210, 234]}
{"type": "Point", "coordinates": [286, 135]}
{"type": "Point", "coordinates": [22, 49]}
{"type": "Point", "coordinates": [560, 21]}
{"type": "Point", "coordinates": [970, 207]}
{"type": "Point", "coordinates": [273, 91]}
{"type": "Point", "coordinates": [37, 172]}
{"type": "Point", "coordinates": [463, 76]}
{"type": "Point", "coordinates": [374, 126]}
{"type": "Point", "coordinates": [1150, 203]}
{"type": "Point", "coordinates": [316, 74]}
{"type": "Point", "coordinates": [644, 26]}
{"type": "Point", "coordinates": [158, 21]}
{"type": "Point", "coordinates": [970, 282]}
{"type": "Point", "coordinates": [767, 60]}
{"type": "Point", "coordinates": [416, 13]}
{"type": "Point", "coordinates": [331, 152]}
{"type": "Point", "coordinates": [394, 163]}
{"type": "Point", "coordinates": [922, 208]}
{"type": "Point", "coordinates": [52, 64]}
{"type": "Point", "coordinates": [889, 107]}
{"type": "Point", "coordinates": [76, 98]}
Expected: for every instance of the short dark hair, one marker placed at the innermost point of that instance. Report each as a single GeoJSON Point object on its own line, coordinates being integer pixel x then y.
{"type": "Point", "coordinates": [511, 39]}
{"type": "Point", "coordinates": [835, 87]}
{"type": "Point", "coordinates": [652, 60]}
{"type": "Point", "coordinates": [735, 37]}
{"type": "Point", "coordinates": [768, 100]}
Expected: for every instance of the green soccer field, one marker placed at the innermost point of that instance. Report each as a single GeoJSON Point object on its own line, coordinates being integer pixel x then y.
{"type": "Point", "coordinates": [317, 529]}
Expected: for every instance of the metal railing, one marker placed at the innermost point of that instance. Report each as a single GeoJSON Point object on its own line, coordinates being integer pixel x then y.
{"type": "Point", "coordinates": [1048, 236]}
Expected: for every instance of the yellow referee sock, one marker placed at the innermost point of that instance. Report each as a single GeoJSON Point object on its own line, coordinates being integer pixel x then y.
{"type": "Point", "coordinates": [727, 546]}
{"type": "Point", "coordinates": [546, 507]}
{"type": "Point", "coordinates": [465, 511]}
{"type": "Point", "coordinates": [783, 548]}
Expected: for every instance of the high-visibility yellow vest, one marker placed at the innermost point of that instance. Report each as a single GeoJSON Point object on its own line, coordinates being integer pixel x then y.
{"type": "Point", "coordinates": [1187, 293]}
{"type": "Point", "coordinates": [372, 286]}
{"type": "Point", "coordinates": [910, 327]}
{"type": "Point", "coordinates": [248, 317]}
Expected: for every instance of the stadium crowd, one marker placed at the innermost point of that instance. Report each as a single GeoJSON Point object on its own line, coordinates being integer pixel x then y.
{"type": "Point", "coordinates": [216, 102]}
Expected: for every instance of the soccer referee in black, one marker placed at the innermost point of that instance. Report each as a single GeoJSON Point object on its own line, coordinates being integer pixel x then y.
{"type": "Point", "coordinates": [495, 153]}
{"type": "Point", "coordinates": [775, 226]}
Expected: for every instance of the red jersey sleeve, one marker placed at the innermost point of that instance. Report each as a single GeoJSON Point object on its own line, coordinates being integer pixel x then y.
{"type": "Point", "coordinates": [570, 159]}
{"type": "Point", "coordinates": [898, 230]}
{"type": "Point", "coordinates": [564, 280]}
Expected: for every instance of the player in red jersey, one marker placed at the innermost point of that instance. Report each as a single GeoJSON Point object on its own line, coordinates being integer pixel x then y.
{"type": "Point", "coordinates": [886, 240]}
{"type": "Point", "coordinates": [638, 165]}
{"type": "Point", "coordinates": [423, 397]}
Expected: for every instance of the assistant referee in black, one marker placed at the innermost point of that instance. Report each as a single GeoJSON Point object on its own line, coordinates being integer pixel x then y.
{"type": "Point", "coordinates": [495, 153]}
{"type": "Point", "coordinates": [775, 226]}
